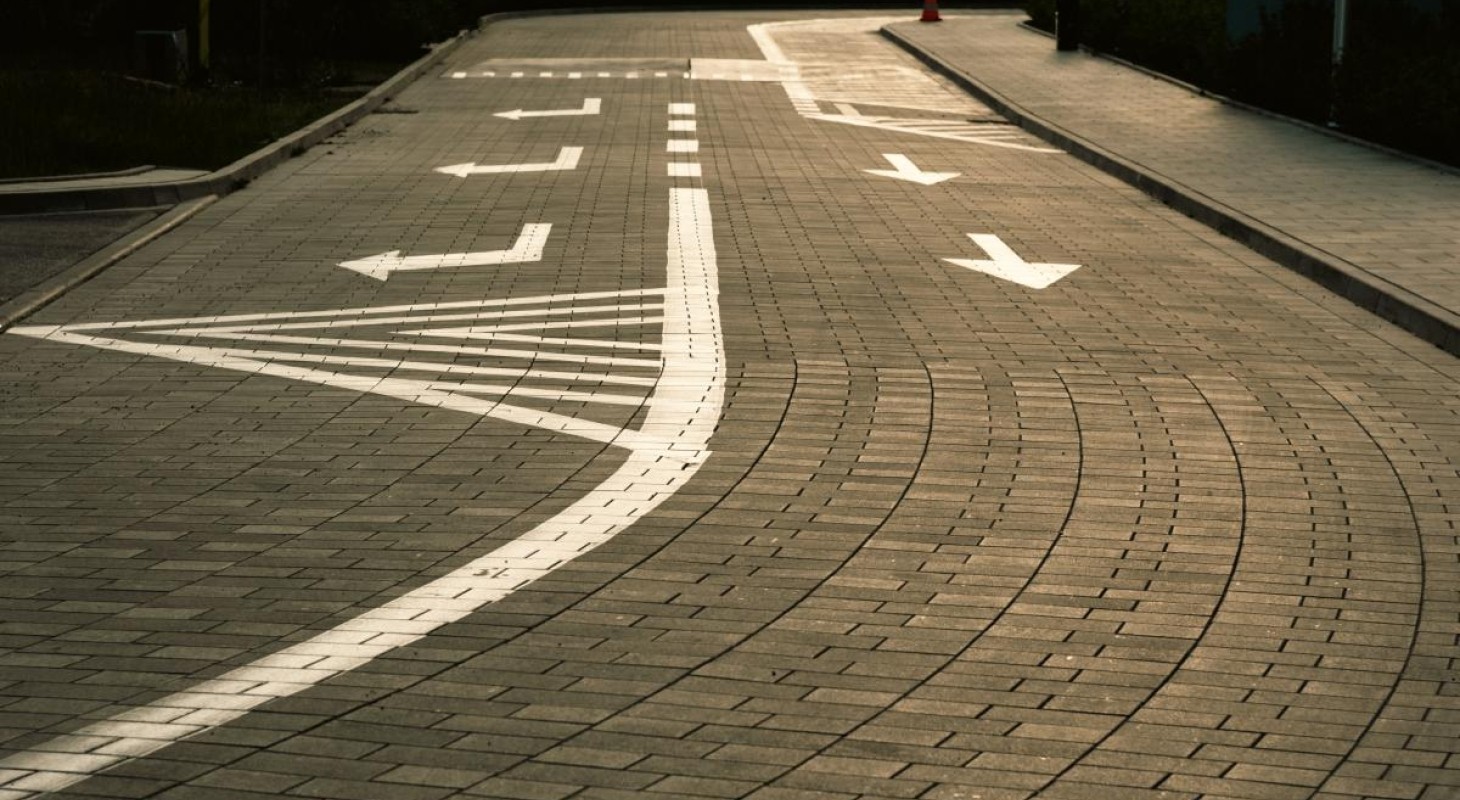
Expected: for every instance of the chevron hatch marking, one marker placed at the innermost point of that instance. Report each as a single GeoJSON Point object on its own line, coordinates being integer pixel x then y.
{"type": "Point", "coordinates": [843, 62]}
{"type": "Point", "coordinates": [682, 402]}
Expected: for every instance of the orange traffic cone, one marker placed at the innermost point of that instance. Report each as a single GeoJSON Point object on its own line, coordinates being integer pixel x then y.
{"type": "Point", "coordinates": [930, 11]}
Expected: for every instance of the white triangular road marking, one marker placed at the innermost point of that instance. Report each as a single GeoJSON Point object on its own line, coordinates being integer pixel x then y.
{"type": "Point", "coordinates": [664, 454]}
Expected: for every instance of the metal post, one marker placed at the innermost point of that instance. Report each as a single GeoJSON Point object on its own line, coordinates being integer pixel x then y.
{"type": "Point", "coordinates": [1067, 25]}
{"type": "Point", "coordinates": [263, 42]}
{"type": "Point", "coordinates": [1340, 43]}
{"type": "Point", "coordinates": [205, 34]}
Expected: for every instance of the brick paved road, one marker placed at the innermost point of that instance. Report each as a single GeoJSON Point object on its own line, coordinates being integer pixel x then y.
{"type": "Point", "coordinates": [1178, 525]}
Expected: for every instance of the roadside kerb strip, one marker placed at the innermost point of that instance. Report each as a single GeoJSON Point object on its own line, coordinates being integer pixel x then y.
{"type": "Point", "coordinates": [1400, 306]}
{"type": "Point", "coordinates": [38, 297]}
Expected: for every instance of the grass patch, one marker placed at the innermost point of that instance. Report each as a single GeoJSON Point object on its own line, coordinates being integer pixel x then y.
{"type": "Point", "coordinates": [63, 122]}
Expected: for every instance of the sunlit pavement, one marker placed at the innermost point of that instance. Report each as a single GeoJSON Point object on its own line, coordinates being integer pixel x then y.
{"type": "Point", "coordinates": [717, 405]}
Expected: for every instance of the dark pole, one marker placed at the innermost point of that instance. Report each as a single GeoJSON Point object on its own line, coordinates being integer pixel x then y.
{"type": "Point", "coordinates": [263, 42]}
{"type": "Point", "coordinates": [1067, 25]}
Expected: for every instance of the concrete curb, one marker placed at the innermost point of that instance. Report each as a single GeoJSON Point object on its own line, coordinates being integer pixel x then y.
{"type": "Point", "coordinates": [1394, 303]}
{"type": "Point", "coordinates": [236, 175]}
{"type": "Point", "coordinates": [38, 297]}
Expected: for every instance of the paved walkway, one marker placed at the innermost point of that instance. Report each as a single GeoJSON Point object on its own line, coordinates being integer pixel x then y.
{"type": "Point", "coordinates": [1380, 229]}
{"type": "Point", "coordinates": [677, 450]}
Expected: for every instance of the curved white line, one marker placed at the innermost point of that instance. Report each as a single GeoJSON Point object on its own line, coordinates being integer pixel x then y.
{"type": "Point", "coordinates": [664, 454]}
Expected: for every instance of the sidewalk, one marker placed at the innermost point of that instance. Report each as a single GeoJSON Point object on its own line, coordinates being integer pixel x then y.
{"type": "Point", "coordinates": [1379, 229]}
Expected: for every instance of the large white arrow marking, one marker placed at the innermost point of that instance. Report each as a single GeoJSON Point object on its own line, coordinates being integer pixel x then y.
{"type": "Point", "coordinates": [527, 248]}
{"type": "Point", "coordinates": [1004, 263]}
{"type": "Point", "coordinates": [591, 106]}
{"type": "Point", "coordinates": [567, 159]}
{"type": "Point", "coordinates": [905, 169]}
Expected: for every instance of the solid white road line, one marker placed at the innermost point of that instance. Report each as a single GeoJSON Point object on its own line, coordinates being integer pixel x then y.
{"type": "Point", "coordinates": [664, 454]}
{"type": "Point", "coordinates": [357, 312]}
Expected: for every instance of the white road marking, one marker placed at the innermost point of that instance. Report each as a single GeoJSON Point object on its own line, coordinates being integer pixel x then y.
{"type": "Point", "coordinates": [663, 455]}
{"type": "Point", "coordinates": [681, 109]}
{"type": "Point", "coordinates": [958, 132]}
{"type": "Point", "coordinates": [868, 71]}
{"type": "Point", "coordinates": [591, 107]}
{"type": "Point", "coordinates": [576, 342]}
{"type": "Point", "coordinates": [682, 146]}
{"type": "Point", "coordinates": [527, 248]}
{"type": "Point", "coordinates": [567, 159]}
{"type": "Point", "coordinates": [682, 126]}
{"type": "Point", "coordinates": [768, 47]}
{"type": "Point", "coordinates": [455, 369]}
{"type": "Point", "coordinates": [485, 331]}
{"type": "Point", "coordinates": [679, 169]}
{"type": "Point", "coordinates": [372, 344]}
{"type": "Point", "coordinates": [1004, 263]}
{"type": "Point", "coordinates": [360, 313]}
{"type": "Point", "coordinates": [904, 169]}
{"type": "Point", "coordinates": [406, 319]}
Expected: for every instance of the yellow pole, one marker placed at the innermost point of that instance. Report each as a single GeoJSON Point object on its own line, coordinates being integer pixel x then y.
{"type": "Point", "coordinates": [205, 8]}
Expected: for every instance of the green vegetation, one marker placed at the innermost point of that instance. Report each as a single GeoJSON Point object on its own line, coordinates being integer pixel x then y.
{"type": "Point", "coordinates": [68, 69]}
{"type": "Point", "coordinates": [72, 75]}
{"type": "Point", "coordinates": [86, 121]}
{"type": "Point", "coordinates": [1399, 83]}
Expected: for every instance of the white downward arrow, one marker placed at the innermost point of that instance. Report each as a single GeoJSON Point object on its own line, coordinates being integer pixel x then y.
{"type": "Point", "coordinates": [906, 170]}
{"type": "Point", "coordinates": [528, 247]}
{"type": "Point", "coordinates": [1005, 263]}
{"type": "Point", "coordinates": [567, 159]}
{"type": "Point", "coordinates": [591, 106]}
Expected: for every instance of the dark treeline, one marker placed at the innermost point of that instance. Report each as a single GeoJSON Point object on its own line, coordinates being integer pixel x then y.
{"type": "Point", "coordinates": [1398, 83]}
{"type": "Point", "coordinates": [292, 36]}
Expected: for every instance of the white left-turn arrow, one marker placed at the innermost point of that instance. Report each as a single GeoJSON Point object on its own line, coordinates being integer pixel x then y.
{"type": "Point", "coordinates": [591, 106]}
{"type": "Point", "coordinates": [1004, 263]}
{"type": "Point", "coordinates": [905, 169]}
{"type": "Point", "coordinates": [567, 159]}
{"type": "Point", "coordinates": [528, 247]}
